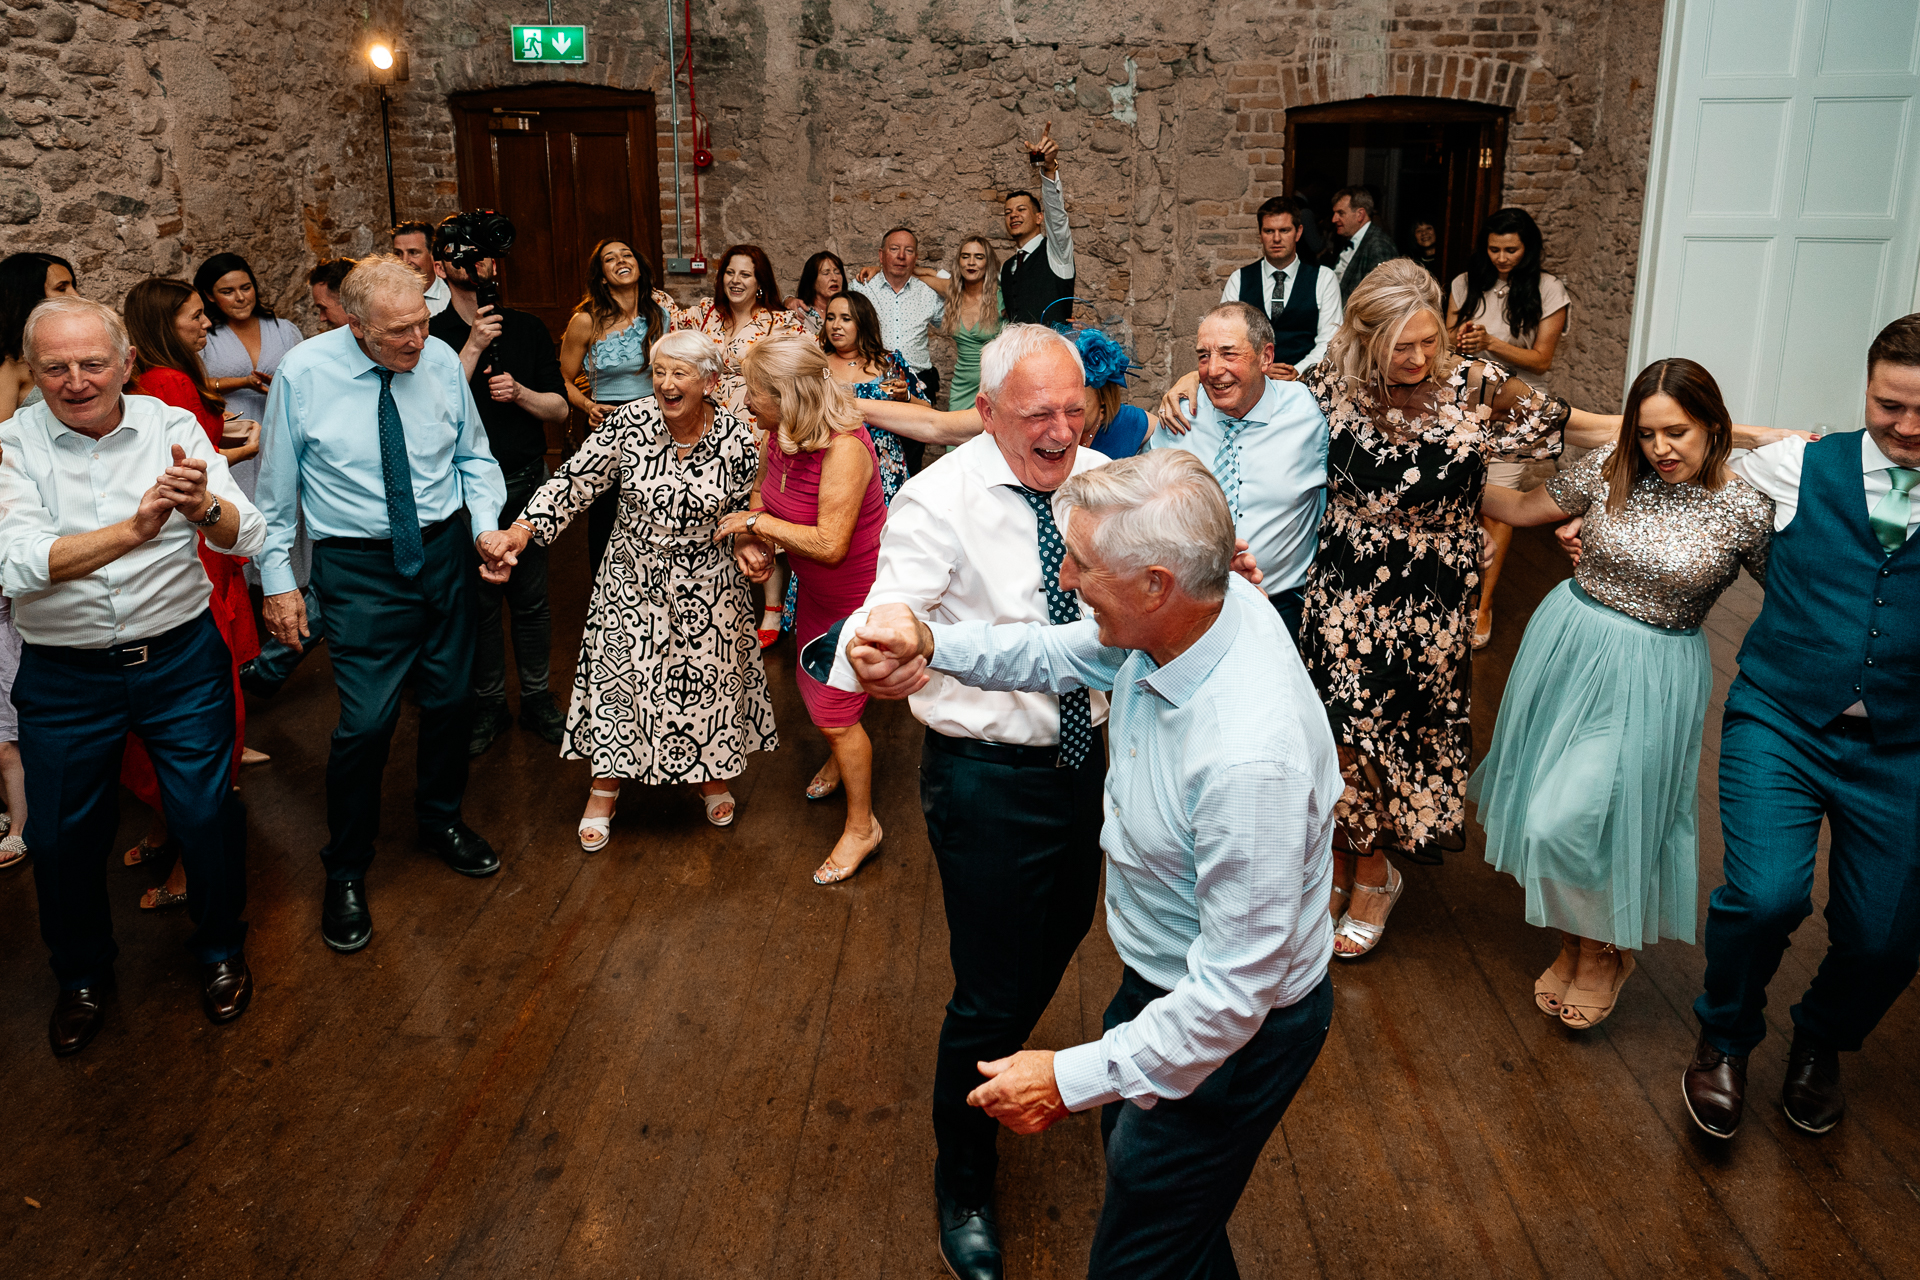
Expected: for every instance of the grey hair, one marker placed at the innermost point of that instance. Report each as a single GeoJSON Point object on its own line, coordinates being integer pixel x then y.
{"type": "Point", "coordinates": [1357, 197]}
{"type": "Point", "coordinates": [1259, 328]}
{"type": "Point", "coordinates": [1018, 342]}
{"type": "Point", "coordinates": [691, 346]}
{"type": "Point", "coordinates": [68, 305]}
{"type": "Point", "coordinates": [378, 275]}
{"type": "Point", "coordinates": [1160, 507]}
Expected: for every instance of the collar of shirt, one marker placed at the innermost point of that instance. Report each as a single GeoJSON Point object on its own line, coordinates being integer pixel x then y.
{"type": "Point", "coordinates": [1361, 234]}
{"type": "Point", "coordinates": [1264, 410]}
{"type": "Point", "coordinates": [1872, 458]}
{"type": "Point", "coordinates": [1279, 279]}
{"type": "Point", "coordinates": [1039, 239]}
{"type": "Point", "coordinates": [1181, 679]}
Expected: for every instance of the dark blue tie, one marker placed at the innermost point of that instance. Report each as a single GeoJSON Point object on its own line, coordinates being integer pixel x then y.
{"type": "Point", "coordinates": [409, 553]}
{"type": "Point", "coordinates": [1076, 713]}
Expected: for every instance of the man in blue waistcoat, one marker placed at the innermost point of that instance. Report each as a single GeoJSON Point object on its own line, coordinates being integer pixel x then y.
{"type": "Point", "coordinates": [1823, 723]}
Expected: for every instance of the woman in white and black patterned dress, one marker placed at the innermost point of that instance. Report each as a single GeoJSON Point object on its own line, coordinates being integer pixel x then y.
{"type": "Point", "coordinates": [669, 688]}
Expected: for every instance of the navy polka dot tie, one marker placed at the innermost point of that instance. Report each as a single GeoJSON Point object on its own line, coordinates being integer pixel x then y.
{"type": "Point", "coordinates": [1076, 712]}
{"type": "Point", "coordinates": [409, 552]}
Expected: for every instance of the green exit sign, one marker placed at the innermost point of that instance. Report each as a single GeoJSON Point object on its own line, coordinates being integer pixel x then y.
{"type": "Point", "coordinates": [549, 44]}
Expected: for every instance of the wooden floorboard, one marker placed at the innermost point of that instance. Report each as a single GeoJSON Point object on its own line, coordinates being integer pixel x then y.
{"type": "Point", "coordinates": [680, 1058]}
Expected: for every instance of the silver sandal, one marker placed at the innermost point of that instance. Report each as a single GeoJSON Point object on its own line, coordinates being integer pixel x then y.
{"type": "Point", "coordinates": [1367, 935]}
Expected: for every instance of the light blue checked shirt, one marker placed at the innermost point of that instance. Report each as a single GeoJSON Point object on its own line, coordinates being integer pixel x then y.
{"type": "Point", "coordinates": [1283, 476]}
{"type": "Point", "coordinates": [1219, 824]}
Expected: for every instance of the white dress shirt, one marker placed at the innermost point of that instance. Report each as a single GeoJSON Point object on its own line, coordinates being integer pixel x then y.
{"type": "Point", "coordinates": [961, 544]}
{"type": "Point", "coordinates": [1276, 286]}
{"type": "Point", "coordinates": [1346, 254]}
{"type": "Point", "coordinates": [1283, 476]}
{"type": "Point", "coordinates": [438, 296]}
{"type": "Point", "coordinates": [1218, 832]}
{"type": "Point", "coordinates": [55, 482]}
{"type": "Point", "coordinates": [905, 315]}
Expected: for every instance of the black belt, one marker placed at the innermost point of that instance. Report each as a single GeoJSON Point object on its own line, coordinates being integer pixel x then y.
{"type": "Point", "coordinates": [1046, 757]}
{"type": "Point", "coordinates": [1858, 727]}
{"type": "Point", "coordinates": [382, 544]}
{"type": "Point", "coordinates": [133, 654]}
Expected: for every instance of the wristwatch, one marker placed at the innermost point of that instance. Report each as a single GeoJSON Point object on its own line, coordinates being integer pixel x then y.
{"type": "Point", "coordinates": [751, 520]}
{"type": "Point", "coordinates": [211, 518]}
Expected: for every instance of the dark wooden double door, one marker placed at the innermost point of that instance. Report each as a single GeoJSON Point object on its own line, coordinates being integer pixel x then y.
{"type": "Point", "coordinates": [571, 165]}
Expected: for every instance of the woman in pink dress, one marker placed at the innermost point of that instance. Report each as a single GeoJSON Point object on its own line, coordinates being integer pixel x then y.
{"type": "Point", "coordinates": [818, 498]}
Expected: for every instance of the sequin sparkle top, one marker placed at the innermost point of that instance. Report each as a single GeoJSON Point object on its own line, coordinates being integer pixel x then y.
{"type": "Point", "coordinates": [1669, 554]}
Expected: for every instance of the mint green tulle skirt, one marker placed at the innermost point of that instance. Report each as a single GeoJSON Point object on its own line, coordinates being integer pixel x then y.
{"type": "Point", "coordinates": [1590, 793]}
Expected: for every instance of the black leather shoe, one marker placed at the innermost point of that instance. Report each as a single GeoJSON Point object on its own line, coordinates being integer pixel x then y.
{"type": "Point", "coordinates": [490, 720]}
{"type": "Point", "coordinates": [969, 1240]}
{"type": "Point", "coordinates": [77, 1017]}
{"type": "Point", "coordinates": [1715, 1088]}
{"type": "Point", "coordinates": [229, 988]}
{"type": "Point", "coordinates": [1811, 1095]}
{"type": "Point", "coordinates": [345, 922]}
{"type": "Point", "coordinates": [541, 717]}
{"type": "Point", "coordinates": [463, 849]}
{"type": "Point", "coordinates": [251, 681]}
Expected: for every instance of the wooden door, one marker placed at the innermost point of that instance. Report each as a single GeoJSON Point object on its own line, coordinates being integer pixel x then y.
{"type": "Point", "coordinates": [1782, 222]}
{"type": "Point", "coordinates": [571, 165]}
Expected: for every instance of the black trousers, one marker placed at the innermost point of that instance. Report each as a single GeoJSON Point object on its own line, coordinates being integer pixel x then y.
{"type": "Point", "coordinates": [1175, 1173]}
{"type": "Point", "coordinates": [530, 618]}
{"type": "Point", "coordinates": [382, 629]}
{"type": "Point", "coordinates": [74, 721]}
{"type": "Point", "coordinates": [1018, 845]}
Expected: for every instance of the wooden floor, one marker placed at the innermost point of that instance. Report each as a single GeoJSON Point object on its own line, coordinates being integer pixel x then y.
{"type": "Point", "coordinates": [681, 1058]}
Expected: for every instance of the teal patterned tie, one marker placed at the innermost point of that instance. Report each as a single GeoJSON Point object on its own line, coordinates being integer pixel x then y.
{"type": "Point", "coordinates": [1226, 462]}
{"type": "Point", "coordinates": [1076, 712]}
{"type": "Point", "coordinates": [409, 553]}
{"type": "Point", "coordinates": [1890, 515]}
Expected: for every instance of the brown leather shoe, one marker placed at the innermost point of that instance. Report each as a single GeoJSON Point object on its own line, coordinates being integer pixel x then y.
{"type": "Point", "coordinates": [229, 988]}
{"type": "Point", "coordinates": [77, 1018]}
{"type": "Point", "coordinates": [1715, 1088]}
{"type": "Point", "coordinates": [1811, 1095]}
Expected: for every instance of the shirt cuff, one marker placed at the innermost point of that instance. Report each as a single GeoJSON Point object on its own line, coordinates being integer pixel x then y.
{"type": "Point", "coordinates": [276, 574]}
{"type": "Point", "coordinates": [1080, 1074]}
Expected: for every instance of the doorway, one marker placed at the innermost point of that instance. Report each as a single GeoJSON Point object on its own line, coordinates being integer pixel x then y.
{"type": "Point", "coordinates": [1426, 160]}
{"type": "Point", "coordinates": [570, 164]}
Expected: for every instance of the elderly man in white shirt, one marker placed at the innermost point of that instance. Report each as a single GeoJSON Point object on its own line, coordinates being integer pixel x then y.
{"type": "Point", "coordinates": [1218, 838]}
{"type": "Point", "coordinates": [105, 498]}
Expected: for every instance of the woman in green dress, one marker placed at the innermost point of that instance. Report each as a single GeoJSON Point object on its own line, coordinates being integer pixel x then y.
{"type": "Point", "coordinates": [973, 316]}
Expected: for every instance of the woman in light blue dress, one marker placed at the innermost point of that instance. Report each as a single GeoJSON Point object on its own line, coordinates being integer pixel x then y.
{"type": "Point", "coordinates": [245, 347]}
{"type": "Point", "coordinates": [1589, 793]}
{"type": "Point", "coordinates": [604, 356]}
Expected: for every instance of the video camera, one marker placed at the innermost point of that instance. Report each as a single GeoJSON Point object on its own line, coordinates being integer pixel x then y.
{"type": "Point", "coordinates": [462, 240]}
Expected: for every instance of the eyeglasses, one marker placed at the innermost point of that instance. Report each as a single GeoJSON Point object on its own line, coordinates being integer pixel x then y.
{"type": "Point", "coordinates": [87, 368]}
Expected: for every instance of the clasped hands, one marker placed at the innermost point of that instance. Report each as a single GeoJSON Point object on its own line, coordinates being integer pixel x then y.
{"type": "Point", "coordinates": [752, 553]}
{"type": "Point", "coordinates": [181, 487]}
{"type": "Point", "coordinates": [500, 550]}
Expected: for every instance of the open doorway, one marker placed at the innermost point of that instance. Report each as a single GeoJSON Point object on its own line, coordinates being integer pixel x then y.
{"type": "Point", "coordinates": [1430, 160]}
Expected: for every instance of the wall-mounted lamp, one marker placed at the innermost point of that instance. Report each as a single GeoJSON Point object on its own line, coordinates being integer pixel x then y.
{"type": "Point", "coordinates": [387, 65]}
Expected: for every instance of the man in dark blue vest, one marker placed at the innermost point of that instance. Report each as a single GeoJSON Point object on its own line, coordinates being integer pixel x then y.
{"type": "Point", "coordinates": [1823, 723]}
{"type": "Point", "coordinates": [1300, 299]}
{"type": "Point", "coordinates": [1036, 280]}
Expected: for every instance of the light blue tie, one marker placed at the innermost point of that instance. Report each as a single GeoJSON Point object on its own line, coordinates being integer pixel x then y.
{"type": "Point", "coordinates": [409, 553]}
{"type": "Point", "coordinates": [1076, 712]}
{"type": "Point", "coordinates": [1890, 515]}
{"type": "Point", "coordinates": [1226, 462]}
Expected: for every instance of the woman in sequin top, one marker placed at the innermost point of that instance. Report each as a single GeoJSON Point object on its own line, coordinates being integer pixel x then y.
{"type": "Point", "coordinates": [1589, 792]}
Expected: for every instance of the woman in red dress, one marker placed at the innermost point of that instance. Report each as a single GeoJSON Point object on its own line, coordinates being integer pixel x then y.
{"type": "Point", "coordinates": [168, 325]}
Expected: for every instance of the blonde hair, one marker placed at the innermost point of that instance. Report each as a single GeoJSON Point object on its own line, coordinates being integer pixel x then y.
{"type": "Point", "coordinates": [956, 292]}
{"type": "Point", "coordinates": [1378, 311]}
{"type": "Point", "coordinates": [378, 275]}
{"type": "Point", "coordinates": [813, 407]}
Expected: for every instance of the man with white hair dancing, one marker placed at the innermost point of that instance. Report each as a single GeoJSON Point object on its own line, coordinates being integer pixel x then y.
{"type": "Point", "coordinates": [373, 435]}
{"type": "Point", "coordinates": [1220, 805]}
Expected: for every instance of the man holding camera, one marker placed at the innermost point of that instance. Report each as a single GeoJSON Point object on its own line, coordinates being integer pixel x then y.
{"type": "Point", "coordinates": [514, 373]}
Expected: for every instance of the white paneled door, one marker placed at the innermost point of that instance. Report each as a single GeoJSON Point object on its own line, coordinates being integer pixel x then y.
{"type": "Point", "coordinates": [1783, 199]}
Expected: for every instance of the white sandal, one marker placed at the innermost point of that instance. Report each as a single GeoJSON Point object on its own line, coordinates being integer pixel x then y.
{"type": "Point", "coordinates": [593, 831]}
{"type": "Point", "coordinates": [714, 802]}
{"type": "Point", "coordinates": [1367, 934]}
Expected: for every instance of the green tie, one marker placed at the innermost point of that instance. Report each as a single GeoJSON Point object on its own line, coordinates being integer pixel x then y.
{"type": "Point", "coordinates": [1890, 515]}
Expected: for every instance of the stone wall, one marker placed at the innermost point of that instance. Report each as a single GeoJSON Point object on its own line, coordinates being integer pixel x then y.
{"type": "Point", "coordinates": [142, 137]}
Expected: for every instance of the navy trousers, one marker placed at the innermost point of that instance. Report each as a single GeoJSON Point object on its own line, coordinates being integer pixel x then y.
{"type": "Point", "coordinates": [74, 722]}
{"type": "Point", "coordinates": [277, 661]}
{"type": "Point", "coordinates": [1018, 845]}
{"type": "Point", "coordinates": [1175, 1173]}
{"type": "Point", "coordinates": [382, 629]}
{"type": "Point", "coordinates": [1778, 779]}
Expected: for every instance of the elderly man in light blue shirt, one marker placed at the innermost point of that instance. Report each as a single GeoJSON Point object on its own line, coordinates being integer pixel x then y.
{"type": "Point", "coordinates": [1219, 821]}
{"type": "Point", "coordinates": [372, 434]}
{"type": "Point", "coordinates": [1266, 443]}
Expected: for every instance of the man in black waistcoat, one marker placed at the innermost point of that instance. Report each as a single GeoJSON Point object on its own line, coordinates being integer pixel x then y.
{"type": "Point", "coordinates": [1036, 280]}
{"type": "Point", "coordinates": [1823, 723]}
{"type": "Point", "coordinates": [1301, 300]}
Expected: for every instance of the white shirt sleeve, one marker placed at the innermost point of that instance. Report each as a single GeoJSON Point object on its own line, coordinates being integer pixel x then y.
{"type": "Point", "coordinates": [1326, 292]}
{"type": "Point", "coordinates": [1775, 471]}
{"type": "Point", "coordinates": [1053, 210]}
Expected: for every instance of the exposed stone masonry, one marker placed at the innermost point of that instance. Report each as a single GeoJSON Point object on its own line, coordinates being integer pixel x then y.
{"type": "Point", "coordinates": [139, 138]}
